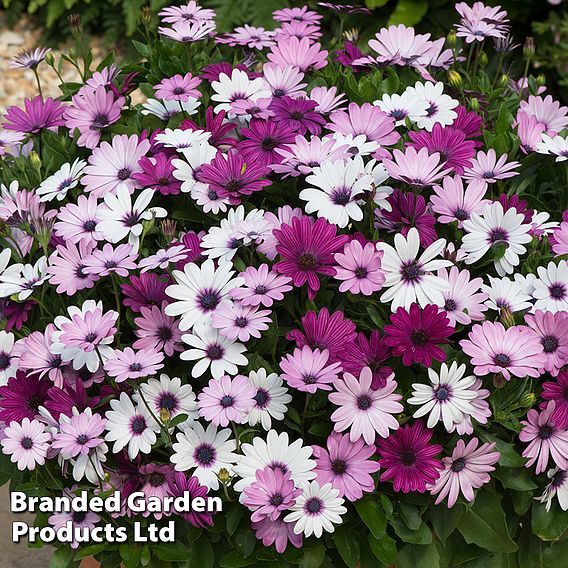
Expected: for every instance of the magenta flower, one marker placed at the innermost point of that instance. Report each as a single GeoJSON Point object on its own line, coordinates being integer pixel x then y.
{"type": "Point", "coordinates": [226, 400]}
{"type": "Point", "coordinates": [297, 115]}
{"type": "Point", "coordinates": [80, 435]}
{"type": "Point", "coordinates": [301, 53]}
{"type": "Point", "coordinates": [416, 334]}
{"type": "Point", "coordinates": [22, 396]}
{"type": "Point", "coordinates": [558, 392]}
{"type": "Point", "coordinates": [148, 289]}
{"type": "Point", "coordinates": [348, 55]}
{"type": "Point", "coordinates": [230, 176]}
{"type": "Point", "coordinates": [111, 260]}
{"type": "Point", "coordinates": [261, 287]}
{"type": "Point", "coordinates": [309, 370]}
{"type": "Point", "coordinates": [544, 439]}
{"type": "Point", "coordinates": [467, 469]}
{"type": "Point", "coordinates": [178, 88]}
{"type": "Point", "coordinates": [363, 410]}
{"type": "Point", "coordinates": [90, 112]}
{"type": "Point", "coordinates": [307, 248]}
{"type": "Point", "coordinates": [157, 173]}
{"type": "Point", "coordinates": [156, 330]}
{"type": "Point", "coordinates": [270, 495]}
{"type": "Point", "coordinates": [552, 330]}
{"type": "Point", "coordinates": [363, 352]}
{"type": "Point", "coordinates": [409, 459]}
{"type": "Point", "coordinates": [366, 119]}
{"type": "Point", "coordinates": [26, 443]}
{"type": "Point", "coordinates": [346, 465]}
{"type": "Point", "coordinates": [178, 486]}
{"type": "Point", "coordinates": [324, 331]}
{"type": "Point", "coordinates": [514, 351]}
{"type": "Point", "coordinates": [39, 114]}
{"type": "Point", "coordinates": [216, 124]}
{"type": "Point", "coordinates": [262, 140]}
{"type": "Point", "coordinates": [359, 269]}
{"type": "Point", "coordinates": [130, 364]}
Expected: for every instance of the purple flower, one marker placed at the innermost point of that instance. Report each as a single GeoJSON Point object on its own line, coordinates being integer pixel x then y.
{"type": "Point", "coordinates": [39, 114]}
{"type": "Point", "coordinates": [348, 55]}
{"type": "Point", "coordinates": [157, 173]}
{"type": "Point", "coordinates": [178, 486]}
{"type": "Point", "coordinates": [263, 139]}
{"type": "Point", "coordinates": [22, 396]}
{"type": "Point", "coordinates": [297, 114]}
{"type": "Point", "coordinates": [148, 289]}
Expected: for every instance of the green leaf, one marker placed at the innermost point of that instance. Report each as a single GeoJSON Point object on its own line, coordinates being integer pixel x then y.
{"type": "Point", "coordinates": [509, 457]}
{"type": "Point", "coordinates": [203, 555]}
{"type": "Point", "coordinates": [234, 560]}
{"type": "Point", "coordinates": [412, 556]}
{"type": "Point", "coordinates": [518, 480]}
{"type": "Point", "coordinates": [408, 12]}
{"type": "Point", "coordinates": [372, 515]}
{"type": "Point", "coordinates": [172, 551]}
{"type": "Point", "coordinates": [233, 517]}
{"type": "Point", "coordinates": [444, 520]}
{"type": "Point", "coordinates": [384, 548]}
{"type": "Point", "coordinates": [62, 557]}
{"type": "Point", "coordinates": [485, 525]}
{"type": "Point", "coordinates": [347, 546]}
{"type": "Point", "coordinates": [314, 555]}
{"type": "Point", "coordinates": [548, 525]}
{"type": "Point", "coordinates": [372, 4]}
{"type": "Point", "coordinates": [245, 542]}
{"type": "Point", "coordinates": [410, 515]}
{"type": "Point", "coordinates": [90, 550]}
{"type": "Point", "coordinates": [421, 536]}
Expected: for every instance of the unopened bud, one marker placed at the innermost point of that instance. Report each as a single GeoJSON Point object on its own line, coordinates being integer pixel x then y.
{"type": "Point", "coordinates": [474, 104]}
{"type": "Point", "coordinates": [75, 22]}
{"type": "Point", "coordinates": [49, 59]}
{"type": "Point", "coordinates": [506, 317]}
{"type": "Point", "coordinates": [165, 415]}
{"type": "Point", "coordinates": [541, 80]}
{"type": "Point", "coordinates": [503, 80]}
{"type": "Point", "coordinates": [35, 160]}
{"type": "Point", "coordinates": [529, 48]}
{"type": "Point", "coordinates": [451, 39]}
{"type": "Point", "coordinates": [455, 79]}
{"type": "Point", "coordinates": [146, 14]}
{"type": "Point", "coordinates": [169, 229]}
{"type": "Point", "coordinates": [527, 400]}
{"type": "Point", "coordinates": [499, 381]}
{"type": "Point", "coordinates": [223, 475]}
{"type": "Point", "coordinates": [483, 59]}
{"type": "Point", "coordinates": [351, 34]}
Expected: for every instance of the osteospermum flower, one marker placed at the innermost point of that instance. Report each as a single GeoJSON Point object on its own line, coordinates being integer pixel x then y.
{"type": "Point", "coordinates": [558, 487]}
{"type": "Point", "coordinates": [440, 108]}
{"type": "Point", "coordinates": [261, 287]}
{"type": "Point", "coordinates": [80, 434]}
{"type": "Point", "coordinates": [187, 31]}
{"type": "Point", "coordinates": [157, 173]}
{"type": "Point", "coordinates": [8, 357]}
{"type": "Point", "coordinates": [550, 289]}
{"type": "Point", "coordinates": [410, 279]}
{"type": "Point", "coordinates": [417, 333]}
{"type": "Point", "coordinates": [148, 289]}
{"type": "Point", "coordinates": [359, 268]}
{"type": "Point", "coordinates": [399, 45]}
{"type": "Point", "coordinates": [307, 249]}
{"type": "Point", "coordinates": [226, 400]}
{"type": "Point", "coordinates": [271, 398]}
{"type": "Point", "coordinates": [78, 222]}
{"type": "Point", "coordinates": [309, 370]}
{"type": "Point", "coordinates": [179, 486]}
{"type": "Point", "coordinates": [130, 364]}
{"type": "Point", "coordinates": [178, 88]}
{"type": "Point", "coordinates": [547, 111]}
{"type": "Point", "coordinates": [156, 330]}
{"type": "Point", "coordinates": [316, 510]}
{"type": "Point", "coordinates": [111, 260]}
{"type": "Point", "coordinates": [492, 228]}
{"type": "Point", "coordinates": [237, 86]}
{"type": "Point", "coordinates": [408, 458]}
{"type": "Point", "coordinates": [467, 469]}
{"type": "Point", "coordinates": [545, 439]}
{"type": "Point", "coordinates": [68, 268]}
{"type": "Point", "coordinates": [416, 167]}
{"type": "Point", "coordinates": [558, 392]}
{"type": "Point", "coordinates": [58, 184]}
{"type": "Point", "coordinates": [346, 465]}
{"type": "Point", "coordinates": [557, 146]}
{"type": "Point", "coordinates": [552, 330]}
{"type": "Point", "coordinates": [486, 168]}
{"type": "Point", "coordinates": [363, 410]}
{"type": "Point", "coordinates": [514, 351]}
{"type": "Point", "coordinates": [301, 53]}
{"type": "Point", "coordinates": [29, 59]}
{"type": "Point", "coordinates": [26, 443]}
{"type": "Point", "coordinates": [39, 114]}
{"type": "Point", "coordinates": [298, 115]}
{"type": "Point", "coordinates": [237, 321]}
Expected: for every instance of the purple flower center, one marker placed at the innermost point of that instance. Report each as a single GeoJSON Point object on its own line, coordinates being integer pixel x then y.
{"type": "Point", "coordinates": [90, 337]}
{"type": "Point", "coordinates": [410, 271]}
{"type": "Point", "coordinates": [308, 260]}
{"type": "Point", "coordinates": [418, 338]}
{"type": "Point", "coordinates": [79, 516]}
{"type": "Point", "coordinates": [549, 344]}
{"type": "Point", "coordinates": [167, 401]}
{"type": "Point", "coordinates": [178, 91]}
{"type": "Point", "coordinates": [442, 393]}
{"type": "Point", "coordinates": [135, 367]}
{"type": "Point", "coordinates": [461, 214]}
{"type": "Point", "coordinates": [432, 109]}
{"type": "Point", "coordinates": [361, 272]}
{"type": "Point", "coordinates": [82, 439]}
{"type": "Point", "coordinates": [502, 360]}
{"type": "Point", "coordinates": [450, 305]}
{"type": "Point", "coordinates": [458, 465]}
{"type": "Point", "coordinates": [488, 175]}
{"type": "Point", "coordinates": [89, 226]}
{"type": "Point", "coordinates": [34, 402]}
{"type": "Point", "coordinates": [364, 402]}
{"type": "Point", "coordinates": [339, 466]}
{"type": "Point", "coordinates": [156, 479]}
{"type": "Point", "coordinates": [279, 92]}
{"type": "Point", "coordinates": [278, 465]}
{"type": "Point", "coordinates": [214, 352]}
{"type": "Point", "coordinates": [545, 431]}
{"type": "Point", "coordinates": [341, 196]}
{"type": "Point", "coordinates": [131, 219]}
{"type": "Point", "coordinates": [100, 121]}
{"type": "Point", "coordinates": [209, 300]}
{"type": "Point", "coordinates": [262, 398]}
{"type": "Point", "coordinates": [212, 195]}
{"type": "Point", "coordinates": [164, 333]}
{"type": "Point", "coordinates": [297, 115]}
{"type": "Point", "coordinates": [398, 114]}
{"type": "Point", "coordinates": [123, 174]}
{"type": "Point", "coordinates": [498, 235]}
{"type": "Point", "coordinates": [557, 291]}
{"type": "Point", "coordinates": [205, 454]}
{"type": "Point", "coordinates": [269, 143]}
{"type": "Point", "coordinates": [559, 477]}
{"type": "Point", "coordinates": [27, 443]}
{"type": "Point", "coordinates": [4, 361]}
{"type": "Point", "coordinates": [260, 289]}
{"type": "Point", "coordinates": [241, 322]}
{"type": "Point", "coordinates": [313, 505]}
{"type": "Point", "coordinates": [408, 457]}
{"type": "Point", "coordinates": [138, 425]}
{"type": "Point", "coordinates": [227, 401]}
{"type": "Point", "coordinates": [310, 379]}
{"type": "Point", "coordinates": [234, 185]}
{"type": "Point", "coordinates": [276, 500]}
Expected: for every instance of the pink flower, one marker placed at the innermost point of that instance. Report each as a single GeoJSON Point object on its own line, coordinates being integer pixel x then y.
{"type": "Point", "coordinates": [226, 400]}
{"type": "Point", "coordinates": [80, 434]}
{"type": "Point", "coordinates": [559, 239]}
{"type": "Point", "coordinates": [366, 412]}
{"type": "Point", "coordinates": [130, 364]}
{"type": "Point", "coordinates": [486, 168]}
{"type": "Point", "coordinates": [545, 439]}
{"type": "Point", "coordinates": [359, 268]}
{"type": "Point", "coordinates": [547, 111]}
{"type": "Point", "coordinates": [514, 351]}
{"type": "Point", "coordinates": [346, 465]}
{"type": "Point", "coordinates": [529, 131]}
{"type": "Point", "coordinates": [399, 45]}
{"type": "Point", "coordinates": [416, 168]}
{"type": "Point", "coordinates": [239, 322]}
{"type": "Point", "coordinates": [178, 88]}
{"type": "Point", "coordinates": [68, 269]}
{"type": "Point", "coordinates": [558, 392]}
{"type": "Point", "coordinates": [261, 287]}
{"type": "Point", "coordinates": [552, 330]}
{"type": "Point", "coordinates": [308, 370]}
{"type": "Point", "coordinates": [39, 114]}
{"type": "Point", "coordinates": [26, 443]}
{"type": "Point", "coordinates": [156, 330]}
{"type": "Point", "coordinates": [110, 260]}
{"type": "Point", "coordinates": [300, 53]}
{"type": "Point", "coordinates": [467, 469]}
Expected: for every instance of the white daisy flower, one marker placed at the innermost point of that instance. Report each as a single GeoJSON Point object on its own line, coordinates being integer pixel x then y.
{"type": "Point", "coordinates": [551, 287]}
{"type": "Point", "coordinates": [440, 106]}
{"type": "Point", "coordinates": [130, 426]}
{"type": "Point", "coordinates": [506, 293]}
{"type": "Point", "coordinates": [558, 487]}
{"type": "Point", "coordinates": [208, 451]}
{"type": "Point", "coordinates": [275, 452]}
{"type": "Point", "coordinates": [271, 398]}
{"type": "Point", "coordinates": [541, 225]}
{"type": "Point", "coordinates": [492, 228]}
{"type": "Point", "coordinates": [22, 279]}
{"type": "Point", "coordinates": [167, 109]}
{"type": "Point", "coordinates": [212, 350]}
{"type": "Point", "coordinates": [237, 87]}
{"type": "Point", "coordinates": [182, 139]}
{"type": "Point", "coordinates": [199, 290]}
{"type": "Point", "coordinates": [8, 359]}
{"type": "Point", "coordinates": [187, 170]}
{"type": "Point", "coordinates": [169, 396]}
{"type": "Point", "coordinates": [5, 257]}
{"type": "Point", "coordinates": [90, 465]}
{"type": "Point", "coordinates": [556, 146]}
{"type": "Point", "coordinates": [525, 282]}
{"type": "Point", "coordinates": [355, 145]}
{"type": "Point", "coordinates": [399, 107]}
{"type": "Point", "coordinates": [410, 279]}
{"type": "Point", "coordinates": [379, 191]}
{"type": "Point", "coordinates": [57, 185]}
{"type": "Point", "coordinates": [120, 218]}
{"type": "Point", "coordinates": [338, 184]}
{"type": "Point", "coordinates": [316, 510]}
{"type": "Point", "coordinates": [447, 398]}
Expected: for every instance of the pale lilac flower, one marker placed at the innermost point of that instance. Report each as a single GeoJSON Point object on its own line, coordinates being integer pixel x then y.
{"type": "Point", "coordinates": [309, 369]}
{"type": "Point", "coordinates": [240, 322]}
{"type": "Point", "coordinates": [26, 443]}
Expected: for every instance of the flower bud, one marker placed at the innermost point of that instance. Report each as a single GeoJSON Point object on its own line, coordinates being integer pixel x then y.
{"type": "Point", "coordinates": [541, 80]}
{"type": "Point", "coordinates": [503, 80]}
{"type": "Point", "coordinates": [451, 39]}
{"type": "Point", "coordinates": [223, 475]}
{"type": "Point", "coordinates": [49, 59]}
{"type": "Point", "coordinates": [507, 318]}
{"type": "Point", "coordinates": [483, 59]}
{"type": "Point", "coordinates": [169, 229]}
{"type": "Point", "coordinates": [527, 400]}
{"type": "Point", "coordinates": [75, 23]}
{"type": "Point", "coordinates": [499, 381]}
{"type": "Point", "coordinates": [455, 79]}
{"type": "Point", "coordinates": [351, 34]}
{"type": "Point", "coordinates": [35, 160]}
{"type": "Point", "coordinates": [165, 415]}
{"type": "Point", "coordinates": [529, 48]}
{"type": "Point", "coordinates": [474, 104]}
{"type": "Point", "coordinates": [146, 14]}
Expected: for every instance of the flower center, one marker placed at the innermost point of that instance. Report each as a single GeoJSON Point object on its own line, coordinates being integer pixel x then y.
{"type": "Point", "coordinates": [27, 443]}
{"type": "Point", "coordinates": [557, 291]}
{"type": "Point", "coordinates": [364, 402]}
{"type": "Point", "coordinates": [461, 214]}
{"type": "Point", "coordinates": [279, 92]}
{"type": "Point", "coordinates": [410, 271]}
{"type": "Point", "coordinates": [123, 174]}
{"type": "Point", "coordinates": [209, 300]}
{"type": "Point", "coordinates": [549, 343]}
{"type": "Point", "coordinates": [498, 235]}
{"type": "Point", "coordinates": [178, 91]}
{"type": "Point", "coordinates": [398, 114]}
{"type": "Point", "coordinates": [260, 289]}
{"type": "Point", "coordinates": [308, 260]}
{"type": "Point", "coordinates": [269, 143]}
{"type": "Point", "coordinates": [361, 272]}
{"type": "Point", "coordinates": [227, 401]}
{"type": "Point", "coordinates": [205, 454]}
{"type": "Point", "coordinates": [502, 360]}
{"type": "Point", "coordinates": [138, 425]}
{"type": "Point", "coordinates": [341, 196]}
{"type": "Point", "coordinates": [79, 516]}
{"type": "Point", "coordinates": [442, 393]}
{"type": "Point", "coordinates": [100, 121]}
{"type": "Point", "coordinates": [156, 479]}
{"type": "Point", "coordinates": [34, 402]}
{"type": "Point", "coordinates": [418, 338]}
{"type": "Point", "coordinates": [135, 367]}
{"type": "Point", "coordinates": [276, 500]}
{"type": "Point", "coordinates": [168, 401]}
{"type": "Point", "coordinates": [432, 109]}
{"type": "Point", "coordinates": [310, 379]}
{"type": "Point", "coordinates": [458, 465]}
{"type": "Point", "coordinates": [408, 458]}
{"type": "Point", "coordinates": [215, 352]}
{"type": "Point", "coordinates": [89, 226]}
{"type": "Point", "coordinates": [313, 505]}
{"type": "Point", "coordinates": [545, 431]}
{"type": "Point", "coordinates": [82, 439]}
{"type": "Point", "coordinates": [450, 305]}
{"type": "Point", "coordinates": [338, 466]}
{"type": "Point", "coordinates": [559, 477]}
{"type": "Point", "coordinates": [262, 398]}
{"type": "Point", "coordinates": [241, 322]}
{"type": "Point", "coordinates": [234, 185]}
{"type": "Point", "coordinates": [297, 115]}
{"type": "Point", "coordinates": [4, 361]}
